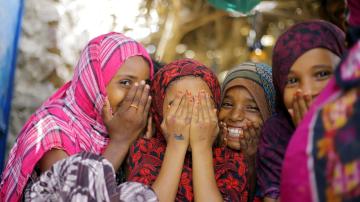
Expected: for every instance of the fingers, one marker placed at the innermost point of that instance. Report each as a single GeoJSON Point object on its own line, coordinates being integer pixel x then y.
{"type": "Point", "coordinates": [195, 111]}
{"type": "Point", "coordinates": [308, 99]}
{"type": "Point", "coordinates": [130, 95]}
{"type": "Point", "coordinates": [138, 94]}
{"type": "Point", "coordinates": [296, 109]}
{"type": "Point", "coordinates": [203, 112]}
{"type": "Point", "coordinates": [176, 103]}
{"type": "Point", "coordinates": [211, 109]}
{"type": "Point", "coordinates": [149, 130]}
{"type": "Point", "coordinates": [106, 111]}
{"type": "Point", "coordinates": [147, 107]}
{"type": "Point", "coordinates": [181, 112]}
{"type": "Point", "coordinates": [144, 98]}
{"type": "Point", "coordinates": [189, 108]}
{"type": "Point", "coordinates": [224, 132]}
{"type": "Point", "coordinates": [303, 108]}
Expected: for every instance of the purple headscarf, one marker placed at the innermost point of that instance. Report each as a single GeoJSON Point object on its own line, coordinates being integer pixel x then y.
{"type": "Point", "coordinates": [277, 130]}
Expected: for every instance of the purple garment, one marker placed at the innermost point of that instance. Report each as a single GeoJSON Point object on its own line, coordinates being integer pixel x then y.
{"type": "Point", "coordinates": [354, 12]}
{"type": "Point", "coordinates": [277, 131]}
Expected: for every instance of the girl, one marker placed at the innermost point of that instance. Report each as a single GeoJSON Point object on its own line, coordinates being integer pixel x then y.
{"type": "Point", "coordinates": [179, 162]}
{"type": "Point", "coordinates": [303, 61]}
{"type": "Point", "coordinates": [323, 161]}
{"type": "Point", "coordinates": [248, 99]}
{"type": "Point", "coordinates": [102, 110]}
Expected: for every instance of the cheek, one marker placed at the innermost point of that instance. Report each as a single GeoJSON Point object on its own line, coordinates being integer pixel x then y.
{"type": "Point", "coordinates": [288, 97]}
{"type": "Point", "coordinates": [223, 114]}
{"type": "Point", "coordinates": [116, 96]}
{"type": "Point", "coordinates": [320, 85]}
{"type": "Point", "coordinates": [254, 117]}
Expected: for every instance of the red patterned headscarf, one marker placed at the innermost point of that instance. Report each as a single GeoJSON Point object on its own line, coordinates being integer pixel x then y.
{"type": "Point", "coordinates": [146, 156]}
{"type": "Point", "coordinates": [70, 120]}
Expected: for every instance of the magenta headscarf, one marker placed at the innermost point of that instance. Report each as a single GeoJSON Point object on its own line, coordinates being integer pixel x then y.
{"type": "Point", "coordinates": [277, 130]}
{"type": "Point", "coordinates": [70, 119]}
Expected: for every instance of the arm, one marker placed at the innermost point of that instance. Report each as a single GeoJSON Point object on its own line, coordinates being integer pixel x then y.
{"type": "Point", "coordinates": [205, 187]}
{"type": "Point", "coordinates": [251, 176]}
{"type": "Point", "coordinates": [166, 183]}
{"type": "Point", "coordinates": [126, 124]}
{"type": "Point", "coordinates": [50, 158]}
{"type": "Point", "coordinates": [176, 132]}
{"type": "Point", "coordinates": [203, 132]}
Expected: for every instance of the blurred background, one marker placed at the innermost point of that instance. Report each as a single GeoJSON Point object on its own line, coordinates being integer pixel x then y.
{"type": "Point", "coordinates": [219, 33]}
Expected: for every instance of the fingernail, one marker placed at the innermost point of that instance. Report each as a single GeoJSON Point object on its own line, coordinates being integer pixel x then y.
{"type": "Point", "coordinates": [147, 86]}
{"type": "Point", "coordinates": [214, 110]}
{"type": "Point", "coordinates": [136, 84]}
{"type": "Point", "coordinates": [142, 82]}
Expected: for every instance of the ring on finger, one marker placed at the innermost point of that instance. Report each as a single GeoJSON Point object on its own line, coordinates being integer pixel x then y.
{"type": "Point", "coordinates": [133, 105]}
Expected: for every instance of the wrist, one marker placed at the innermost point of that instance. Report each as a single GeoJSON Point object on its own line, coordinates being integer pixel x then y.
{"type": "Point", "coordinates": [177, 145]}
{"type": "Point", "coordinates": [201, 147]}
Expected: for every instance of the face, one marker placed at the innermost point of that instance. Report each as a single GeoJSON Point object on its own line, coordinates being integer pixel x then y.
{"type": "Point", "coordinates": [188, 83]}
{"type": "Point", "coordinates": [135, 69]}
{"type": "Point", "coordinates": [237, 108]}
{"type": "Point", "coordinates": [310, 73]}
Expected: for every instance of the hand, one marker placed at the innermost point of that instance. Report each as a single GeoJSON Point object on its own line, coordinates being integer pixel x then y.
{"type": "Point", "coordinates": [249, 140]}
{"type": "Point", "coordinates": [176, 124]}
{"type": "Point", "coordinates": [149, 128]}
{"type": "Point", "coordinates": [301, 104]}
{"type": "Point", "coordinates": [127, 123]}
{"type": "Point", "coordinates": [223, 133]}
{"type": "Point", "coordinates": [204, 123]}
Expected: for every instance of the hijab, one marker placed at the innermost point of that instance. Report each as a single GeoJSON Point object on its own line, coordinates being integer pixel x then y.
{"type": "Point", "coordinates": [70, 119]}
{"type": "Point", "coordinates": [277, 130]}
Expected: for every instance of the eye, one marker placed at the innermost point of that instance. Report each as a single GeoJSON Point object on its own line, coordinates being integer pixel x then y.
{"type": "Point", "coordinates": [323, 74]}
{"type": "Point", "coordinates": [226, 104]}
{"type": "Point", "coordinates": [125, 83]}
{"type": "Point", "coordinates": [251, 108]}
{"type": "Point", "coordinates": [292, 81]}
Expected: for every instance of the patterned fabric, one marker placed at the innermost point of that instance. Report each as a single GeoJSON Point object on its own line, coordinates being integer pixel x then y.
{"type": "Point", "coordinates": [354, 12]}
{"type": "Point", "coordinates": [86, 177]}
{"type": "Point", "coordinates": [71, 119]}
{"type": "Point", "coordinates": [277, 131]}
{"type": "Point", "coordinates": [323, 159]}
{"type": "Point", "coordinates": [257, 78]}
{"type": "Point", "coordinates": [146, 156]}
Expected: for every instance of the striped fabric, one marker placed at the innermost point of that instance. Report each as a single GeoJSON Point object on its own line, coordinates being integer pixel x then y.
{"type": "Point", "coordinates": [70, 119]}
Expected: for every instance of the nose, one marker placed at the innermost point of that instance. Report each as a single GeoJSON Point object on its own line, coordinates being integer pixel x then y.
{"type": "Point", "coordinates": [237, 114]}
{"type": "Point", "coordinates": [310, 87]}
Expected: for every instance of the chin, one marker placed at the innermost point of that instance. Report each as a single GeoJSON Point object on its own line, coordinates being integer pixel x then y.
{"type": "Point", "coordinates": [234, 146]}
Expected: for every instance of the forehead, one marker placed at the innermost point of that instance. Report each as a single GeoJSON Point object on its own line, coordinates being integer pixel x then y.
{"type": "Point", "coordinates": [188, 83]}
{"type": "Point", "coordinates": [135, 66]}
{"type": "Point", "coordinates": [312, 58]}
{"type": "Point", "coordinates": [238, 92]}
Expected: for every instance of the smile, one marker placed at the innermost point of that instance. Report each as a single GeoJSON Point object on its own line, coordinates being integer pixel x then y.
{"type": "Point", "coordinates": [235, 132]}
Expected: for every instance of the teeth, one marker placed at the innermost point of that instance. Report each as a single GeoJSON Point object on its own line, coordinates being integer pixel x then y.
{"type": "Point", "coordinates": [234, 132]}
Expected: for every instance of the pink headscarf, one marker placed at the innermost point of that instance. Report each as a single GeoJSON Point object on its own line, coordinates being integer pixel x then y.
{"type": "Point", "coordinates": [70, 119]}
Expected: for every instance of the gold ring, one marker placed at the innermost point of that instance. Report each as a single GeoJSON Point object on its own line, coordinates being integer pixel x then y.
{"type": "Point", "coordinates": [132, 105]}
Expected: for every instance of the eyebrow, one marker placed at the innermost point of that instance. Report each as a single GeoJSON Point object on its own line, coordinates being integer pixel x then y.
{"type": "Point", "coordinates": [247, 99]}
{"type": "Point", "coordinates": [322, 66]}
{"type": "Point", "coordinates": [126, 75]}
